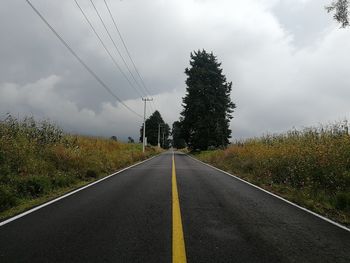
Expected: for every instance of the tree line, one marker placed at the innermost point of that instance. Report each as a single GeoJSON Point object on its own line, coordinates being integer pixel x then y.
{"type": "Point", "coordinates": [207, 109]}
{"type": "Point", "coordinates": [156, 131]}
{"type": "Point", "coordinates": [207, 106]}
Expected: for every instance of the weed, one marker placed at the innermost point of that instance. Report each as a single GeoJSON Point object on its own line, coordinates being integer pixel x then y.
{"type": "Point", "coordinates": [34, 186]}
{"type": "Point", "coordinates": [7, 198]}
{"type": "Point", "coordinates": [91, 174]}
{"type": "Point", "coordinates": [342, 201]}
{"type": "Point", "coordinates": [315, 161]}
{"type": "Point", "coordinates": [38, 158]}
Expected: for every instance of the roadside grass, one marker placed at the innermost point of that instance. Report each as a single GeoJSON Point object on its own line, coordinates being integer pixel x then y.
{"type": "Point", "coordinates": [39, 162]}
{"type": "Point", "coordinates": [184, 150]}
{"type": "Point", "coordinates": [309, 167]}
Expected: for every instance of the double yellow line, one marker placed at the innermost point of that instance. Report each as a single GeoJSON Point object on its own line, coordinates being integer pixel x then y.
{"type": "Point", "coordinates": [179, 252]}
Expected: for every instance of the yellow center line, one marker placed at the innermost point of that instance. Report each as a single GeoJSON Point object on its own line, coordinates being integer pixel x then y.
{"type": "Point", "coordinates": [179, 252]}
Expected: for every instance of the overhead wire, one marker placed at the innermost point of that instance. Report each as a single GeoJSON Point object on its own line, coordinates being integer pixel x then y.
{"type": "Point", "coordinates": [106, 49]}
{"type": "Point", "coordinates": [124, 44]}
{"type": "Point", "coordinates": [108, 52]}
{"type": "Point", "coordinates": [99, 80]}
{"type": "Point", "coordinates": [119, 52]}
{"type": "Point", "coordinates": [114, 44]}
{"type": "Point", "coordinates": [126, 48]}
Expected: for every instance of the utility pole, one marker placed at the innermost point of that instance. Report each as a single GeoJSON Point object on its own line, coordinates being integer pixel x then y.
{"type": "Point", "coordinates": [160, 125]}
{"type": "Point", "coordinates": [144, 123]}
{"type": "Point", "coordinates": [159, 135]}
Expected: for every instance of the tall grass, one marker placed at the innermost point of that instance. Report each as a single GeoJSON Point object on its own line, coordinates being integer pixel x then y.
{"type": "Point", "coordinates": [38, 158]}
{"type": "Point", "coordinates": [311, 166]}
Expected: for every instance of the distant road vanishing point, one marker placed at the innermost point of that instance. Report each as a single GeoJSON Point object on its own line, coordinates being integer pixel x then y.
{"type": "Point", "coordinates": [172, 208]}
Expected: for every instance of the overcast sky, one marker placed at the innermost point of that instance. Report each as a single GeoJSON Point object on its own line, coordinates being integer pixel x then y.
{"type": "Point", "coordinates": [288, 61]}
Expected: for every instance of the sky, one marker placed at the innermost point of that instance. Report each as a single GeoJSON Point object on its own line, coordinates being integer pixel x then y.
{"type": "Point", "coordinates": [288, 61]}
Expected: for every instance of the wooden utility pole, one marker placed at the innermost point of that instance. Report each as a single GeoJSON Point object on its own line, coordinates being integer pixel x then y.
{"type": "Point", "coordinates": [144, 123]}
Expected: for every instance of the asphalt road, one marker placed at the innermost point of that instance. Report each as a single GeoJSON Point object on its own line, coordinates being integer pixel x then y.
{"type": "Point", "coordinates": [129, 218]}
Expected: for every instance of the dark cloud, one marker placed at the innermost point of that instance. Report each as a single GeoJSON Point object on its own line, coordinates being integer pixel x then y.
{"type": "Point", "coordinates": [287, 60]}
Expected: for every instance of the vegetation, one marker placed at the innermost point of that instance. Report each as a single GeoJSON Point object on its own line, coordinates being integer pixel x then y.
{"type": "Point", "coordinates": [155, 124]}
{"type": "Point", "coordinates": [310, 167]}
{"type": "Point", "coordinates": [39, 161]}
{"type": "Point", "coordinates": [207, 104]}
{"type": "Point", "coordinates": [341, 11]}
{"type": "Point", "coordinates": [178, 141]}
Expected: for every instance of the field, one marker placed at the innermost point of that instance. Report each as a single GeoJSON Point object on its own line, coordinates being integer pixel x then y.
{"type": "Point", "coordinates": [309, 167]}
{"type": "Point", "coordinates": [38, 161]}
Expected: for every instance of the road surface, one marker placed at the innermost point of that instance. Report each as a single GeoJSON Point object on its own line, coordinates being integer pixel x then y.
{"type": "Point", "coordinates": [166, 210]}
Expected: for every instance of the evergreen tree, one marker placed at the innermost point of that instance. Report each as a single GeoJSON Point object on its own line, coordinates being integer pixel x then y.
{"type": "Point", "coordinates": [164, 136]}
{"type": "Point", "coordinates": [207, 104]}
{"type": "Point", "coordinates": [341, 11]}
{"type": "Point", "coordinates": [178, 141]}
{"type": "Point", "coordinates": [152, 126]}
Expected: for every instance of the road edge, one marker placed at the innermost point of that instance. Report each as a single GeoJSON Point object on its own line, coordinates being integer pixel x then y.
{"type": "Point", "coordinates": [274, 195]}
{"type": "Point", "coordinates": [31, 210]}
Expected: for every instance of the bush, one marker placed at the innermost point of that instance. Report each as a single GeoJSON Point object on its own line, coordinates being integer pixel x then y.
{"type": "Point", "coordinates": [34, 186]}
{"type": "Point", "coordinates": [37, 158]}
{"type": "Point", "coordinates": [60, 181]}
{"type": "Point", "coordinates": [8, 199]}
{"type": "Point", "coordinates": [91, 174]}
{"type": "Point", "coordinates": [342, 201]}
{"type": "Point", "coordinates": [314, 162]}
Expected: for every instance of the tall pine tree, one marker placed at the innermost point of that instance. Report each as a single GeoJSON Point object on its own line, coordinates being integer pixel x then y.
{"type": "Point", "coordinates": [207, 104]}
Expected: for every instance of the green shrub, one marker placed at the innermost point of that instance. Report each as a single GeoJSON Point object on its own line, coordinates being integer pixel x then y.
{"type": "Point", "coordinates": [8, 199]}
{"type": "Point", "coordinates": [34, 186]}
{"type": "Point", "coordinates": [60, 181]}
{"type": "Point", "coordinates": [342, 201]}
{"type": "Point", "coordinates": [314, 162]}
{"type": "Point", "coordinates": [91, 174]}
{"type": "Point", "coordinates": [37, 158]}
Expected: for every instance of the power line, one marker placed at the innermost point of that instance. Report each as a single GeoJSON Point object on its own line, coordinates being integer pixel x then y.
{"type": "Point", "coordinates": [80, 60]}
{"type": "Point", "coordinates": [106, 49]}
{"type": "Point", "coordinates": [126, 48]}
{"type": "Point", "coordinates": [115, 45]}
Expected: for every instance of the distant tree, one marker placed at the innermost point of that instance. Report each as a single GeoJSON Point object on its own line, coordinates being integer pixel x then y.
{"type": "Point", "coordinates": [341, 11]}
{"type": "Point", "coordinates": [178, 140]}
{"type": "Point", "coordinates": [207, 104]}
{"type": "Point", "coordinates": [164, 136]}
{"type": "Point", "coordinates": [152, 126]}
{"type": "Point", "coordinates": [114, 138]}
{"type": "Point", "coordinates": [130, 140]}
